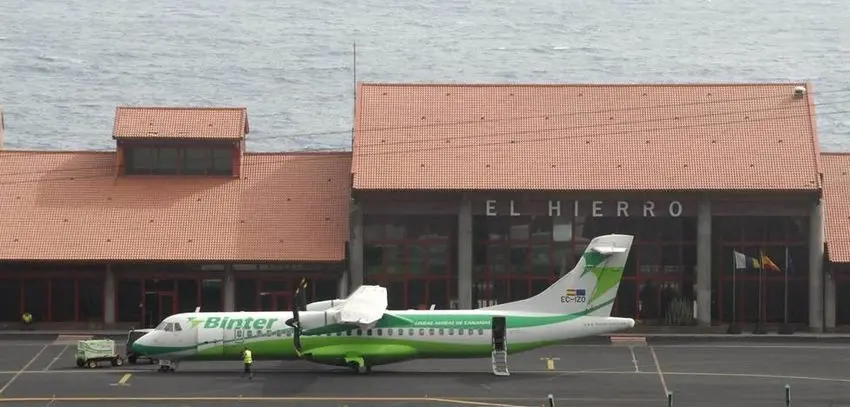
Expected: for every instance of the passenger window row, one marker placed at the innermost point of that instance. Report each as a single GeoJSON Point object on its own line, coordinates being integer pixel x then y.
{"type": "Point", "coordinates": [369, 332]}
{"type": "Point", "coordinates": [412, 332]}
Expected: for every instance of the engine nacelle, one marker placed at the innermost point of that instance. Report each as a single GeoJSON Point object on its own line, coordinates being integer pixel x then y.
{"type": "Point", "coordinates": [324, 305]}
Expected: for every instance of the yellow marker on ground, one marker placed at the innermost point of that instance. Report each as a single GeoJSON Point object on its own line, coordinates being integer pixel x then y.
{"type": "Point", "coordinates": [124, 379]}
{"type": "Point", "coordinates": [550, 363]}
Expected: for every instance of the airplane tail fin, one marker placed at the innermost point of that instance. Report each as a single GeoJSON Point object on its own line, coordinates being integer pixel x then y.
{"type": "Point", "coordinates": [590, 288]}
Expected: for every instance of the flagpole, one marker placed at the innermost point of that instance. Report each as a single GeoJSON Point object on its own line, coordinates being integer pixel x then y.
{"type": "Point", "coordinates": [760, 325]}
{"type": "Point", "coordinates": [786, 286]}
{"type": "Point", "coordinates": [734, 289]}
{"type": "Point", "coordinates": [733, 326]}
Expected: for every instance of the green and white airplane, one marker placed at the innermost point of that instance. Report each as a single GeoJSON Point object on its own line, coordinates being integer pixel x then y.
{"type": "Point", "coordinates": [359, 331]}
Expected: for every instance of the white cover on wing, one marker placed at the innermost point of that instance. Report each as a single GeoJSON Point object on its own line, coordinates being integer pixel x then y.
{"type": "Point", "coordinates": [364, 306]}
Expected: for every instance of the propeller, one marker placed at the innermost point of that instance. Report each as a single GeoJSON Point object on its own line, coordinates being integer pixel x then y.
{"type": "Point", "coordinates": [298, 301]}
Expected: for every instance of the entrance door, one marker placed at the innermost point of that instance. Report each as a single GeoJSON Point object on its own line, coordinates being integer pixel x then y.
{"type": "Point", "coordinates": [167, 305]}
{"type": "Point", "coordinates": [158, 306]}
{"type": "Point", "coordinates": [499, 333]}
{"type": "Point", "coordinates": [275, 301]}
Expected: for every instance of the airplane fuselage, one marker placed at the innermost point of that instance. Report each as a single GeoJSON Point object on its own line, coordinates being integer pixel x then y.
{"type": "Point", "coordinates": [398, 336]}
{"type": "Point", "coordinates": [578, 304]}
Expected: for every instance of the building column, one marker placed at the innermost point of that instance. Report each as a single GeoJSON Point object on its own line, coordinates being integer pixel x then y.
{"type": "Point", "coordinates": [829, 302]}
{"type": "Point", "coordinates": [464, 253]}
{"type": "Point", "coordinates": [342, 289]}
{"type": "Point", "coordinates": [816, 267]}
{"type": "Point", "coordinates": [229, 286]}
{"type": "Point", "coordinates": [703, 288]}
{"type": "Point", "coordinates": [355, 244]}
{"type": "Point", "coordinates": [109, 296]}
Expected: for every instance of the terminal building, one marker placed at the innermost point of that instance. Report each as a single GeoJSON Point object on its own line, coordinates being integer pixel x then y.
{"type": "Point", "coordinates": [458, 196]}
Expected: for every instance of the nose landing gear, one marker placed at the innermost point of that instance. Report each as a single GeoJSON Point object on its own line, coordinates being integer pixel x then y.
{"type": "Point", "coordinates": [167, 366]}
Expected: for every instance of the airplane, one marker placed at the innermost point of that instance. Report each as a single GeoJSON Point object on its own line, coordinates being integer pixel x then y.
{"type": "Point", "coordinates": [359, 332]}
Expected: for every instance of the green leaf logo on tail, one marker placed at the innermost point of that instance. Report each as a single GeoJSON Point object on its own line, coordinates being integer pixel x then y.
{"type": "Point", "coordinates": [591, 260]}
{"type": "Point", "coordinates": [195, 321]}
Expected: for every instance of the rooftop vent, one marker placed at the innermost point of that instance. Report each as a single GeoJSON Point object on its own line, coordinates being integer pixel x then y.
{"type": "Point", "coordinates": [799, 91]}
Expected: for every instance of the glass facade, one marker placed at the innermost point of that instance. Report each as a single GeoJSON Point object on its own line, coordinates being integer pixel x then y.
{"type": "Point", "coordinates": [148, 300]}
{"type": "Point", "coordinates": [841, 275]}
{"type": "Point", "coordinates": [517, 255]}
{"type": "Point", "coordinates": [275, 293]}
{"type": "Point", "coordinates": [784, 240]}
{"type": "Point", "coordinates": [414, 257]}
{"type": "Point", "coordinates": [52, 299]}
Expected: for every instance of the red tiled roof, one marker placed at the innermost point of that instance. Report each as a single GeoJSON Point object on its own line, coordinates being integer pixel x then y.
{"type": "Point", "coordinates": [180, 122]}
{"type": "Point", "coordinates": [2, 126]}
{"type": "Point", "coordinates": [584, 137]}
{"type": "Point", "coordinates": [70, 206]}
{"type": "Point", "coordinates": [836, 197]}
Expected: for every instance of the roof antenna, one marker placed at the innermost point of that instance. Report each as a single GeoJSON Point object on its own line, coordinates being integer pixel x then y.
{"type": "Point", "coordinates": [197, 309]}
{"type": "Point", "coordinates": [354, 78]}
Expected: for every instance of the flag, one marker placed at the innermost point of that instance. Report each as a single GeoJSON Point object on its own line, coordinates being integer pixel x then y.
{"type": "Point", "coordinates": [743, 261]}
{"type": "Point", "coordinates": [740, 260]}
{"type": "Point", "coordinates": [768, 263]}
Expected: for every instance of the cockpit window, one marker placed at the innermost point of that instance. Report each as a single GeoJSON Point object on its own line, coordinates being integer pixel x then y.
{"type": "Point", "coordinates": [160, 327]}
{"type": "Point", "coordinates": [169, 327]}
{"type": "Point", "coordinates": [177, 327]}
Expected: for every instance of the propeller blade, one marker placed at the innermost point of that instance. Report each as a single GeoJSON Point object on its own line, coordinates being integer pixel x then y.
{"type": "Point", "coordinates": [295, 322]}
{"type": "Point", "coordinates": [301, 295]}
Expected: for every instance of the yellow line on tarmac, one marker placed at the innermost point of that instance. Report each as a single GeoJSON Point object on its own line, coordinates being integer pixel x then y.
{"type": "Point", "coordinates": [343, 399]}
{"type": "Point", "coordinates": [468, 402]}
{"type": "Point", "coordinates": [124, 379]}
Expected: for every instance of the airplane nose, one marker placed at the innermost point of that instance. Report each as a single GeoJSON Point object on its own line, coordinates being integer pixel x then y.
{"type": "Point", "coordinates": [139, 345]}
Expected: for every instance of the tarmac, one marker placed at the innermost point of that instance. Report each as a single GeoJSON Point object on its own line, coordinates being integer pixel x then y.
{"type": "Point", "coordinates": [38, 372]}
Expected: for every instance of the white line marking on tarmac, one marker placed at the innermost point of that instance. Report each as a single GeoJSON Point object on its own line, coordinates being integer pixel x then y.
{"type": "Point", "coordinates": [634, 359]}
{"type": "Point", "coordinates": [57, 357]}
{"type": "Point", "coordinates": [8, 344]}
{"type": "Point", "coordinates": [660, 373]}
{"type": "Point", "coordinates": [759, 376]}
{"type": "Point", "coordinates": [12, 380]}
{"type": "Point", "coordinates": [754, 346]}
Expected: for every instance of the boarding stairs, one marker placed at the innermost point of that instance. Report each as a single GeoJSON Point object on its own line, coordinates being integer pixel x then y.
{"type": "Point", "coordinates": [500, 358]}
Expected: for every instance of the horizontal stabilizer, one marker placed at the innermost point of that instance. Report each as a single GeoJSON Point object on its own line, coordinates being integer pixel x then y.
{"type": "Point", "coordinates": [609, 250]}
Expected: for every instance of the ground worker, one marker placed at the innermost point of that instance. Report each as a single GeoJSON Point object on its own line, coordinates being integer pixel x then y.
{"type": "Point", "coordinates": [248, 359]}
{"type": "Point", "coordinates": [26, 318]}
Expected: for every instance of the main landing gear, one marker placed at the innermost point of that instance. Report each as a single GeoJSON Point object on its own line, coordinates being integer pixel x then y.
{"type": "Point", "coordinates": [358, 365]}
{"type": "Point", "coordinates": [166, 366]}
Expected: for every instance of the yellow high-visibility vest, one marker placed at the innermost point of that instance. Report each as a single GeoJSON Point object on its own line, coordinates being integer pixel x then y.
{"type": "Point", "coordinates": [246, 356]}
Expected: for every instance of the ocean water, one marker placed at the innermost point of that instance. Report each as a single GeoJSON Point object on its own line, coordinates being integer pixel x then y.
{"type": "Point", "coordinates": [66, 64]}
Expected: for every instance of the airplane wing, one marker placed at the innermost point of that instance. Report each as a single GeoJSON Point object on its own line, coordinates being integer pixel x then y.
{"type": "Point", "coordinates": [365, 306]}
